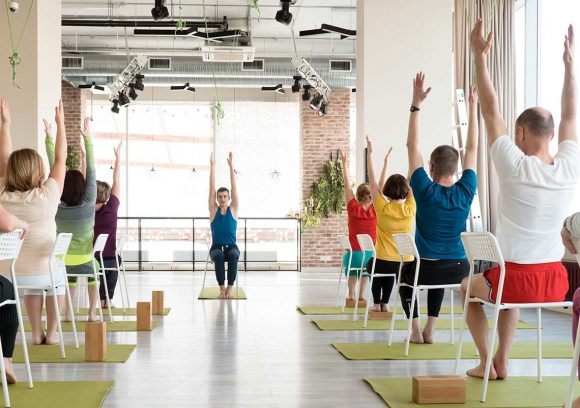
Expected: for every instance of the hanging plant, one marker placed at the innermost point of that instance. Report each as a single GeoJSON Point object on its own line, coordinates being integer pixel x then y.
{"type": "Point", "coordinates": [327, 195]}
{"type": "Point", "coordinates": [255, 4]}
{"type": "Point", "coordinates": [180, 24]}
{"type": "Point", "coordinates": [73, 158]}
{"type": "Point", "coordinates": [218, 111]}
{"type": "Point", "coordinates": [15, 58]}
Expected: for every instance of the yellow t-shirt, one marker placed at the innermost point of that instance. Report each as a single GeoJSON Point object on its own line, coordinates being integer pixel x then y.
{"type": "Point", "coordinates": [393, 218]}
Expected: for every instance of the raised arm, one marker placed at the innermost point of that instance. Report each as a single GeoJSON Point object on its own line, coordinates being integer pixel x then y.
{"type": "Point", "coordinates": [59, 169]}
{"type": "Point", "coordinates": [480, 46]}
{"type": "Point", "coordinates": [83, 153]}
{"type": "Point", "coordinates": [567, 129]}
{"type": "Point", "coordinates": [348, 194]}
{"type": "Point", "coordinates": [211, 203]}
{"type": "Point", "coordinates": [9, 222]}
{"type": "Point", "coordinates": [5, 139]}
{"type": "Point", "coordinates": [385, 170]}
{"type": "Point", "coordinates": [234, 204]}
{"type": "Point", "coordinates": [470, 158]}
{"type": "Point", "coordinates": [116, 188]}
{"type": "Point", "coordinates": [413, 149]}
{"type": "Point", "coordinates": [48, 143]}
{"type": "Point", "coordinates": [90, 195]}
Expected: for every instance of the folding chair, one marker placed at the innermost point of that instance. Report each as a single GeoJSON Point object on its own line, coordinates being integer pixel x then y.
{"type": "Point", "coordinates": [208, 261]}
{"type": "Point", "coordinates": [366, 245]}
{"type": "Point", "coordinates": [120, 268]}
{"type": "Point", "coordinates": [346, 249]}
{"type": "Point", "coordinates": [406, 247]}
{"type": "Point", "coordinates": [10, 244]}
{"type": "Point", "coordinates": [483, 246]}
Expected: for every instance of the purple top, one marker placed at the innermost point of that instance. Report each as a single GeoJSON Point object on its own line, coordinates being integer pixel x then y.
{"type": "Point", "coordinates": [106, 223]}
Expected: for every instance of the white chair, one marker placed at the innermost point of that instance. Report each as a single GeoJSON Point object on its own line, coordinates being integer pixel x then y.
{"type": "Point", "coordinates": [10, 244]}
{"type": "Point", "coordinates": [208, 261]}
{"type": "Point", "coordinates": [56, 265]}
{"type": "Point", "coordinates": [483, 246]}
{"type": "Point", "coordinates": [97, 247]}
{"type": "Point", "coordinates": [346, 249]}
{"type": "Point", "coordinates": [366, 245]}
{"type": "Point", "coordinates": [406, 247]}
{"type": "Point", "coordinates": [120, 268]}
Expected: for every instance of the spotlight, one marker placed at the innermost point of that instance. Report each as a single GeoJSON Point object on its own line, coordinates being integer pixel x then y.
{"type": "Point", "coordinates": [323, 111]}
{"type": "Point", "coordinates": [159, 12]}
{"type": "Point", "coordinates": [115, 108]}
{"type": "Point", "coordinates": [296, 86]}
{"type": "Point", "coordinates": [139, 82]}
{"type": "Point", "coordinates": [123, 99]}
{"type": "Point", "coordinates": [316, 102]}
{"type": "Point", "coordinates": [306, 94]}
{"type": "Point", "coordinates": [132, 94]}
{"type": "Point", "coordinates": [284, 16]}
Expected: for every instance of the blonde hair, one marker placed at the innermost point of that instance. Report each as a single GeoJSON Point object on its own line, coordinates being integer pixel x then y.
{"type": "Point", "coordinates": [103, 192]}
{"type": "Point", "coordinates": [362, 192]}
{"type": "Point", "coordinates": [24, 171]}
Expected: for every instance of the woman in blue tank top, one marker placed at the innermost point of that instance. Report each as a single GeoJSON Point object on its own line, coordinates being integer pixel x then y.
{"type": "Point", "coordinates": [223, 217]}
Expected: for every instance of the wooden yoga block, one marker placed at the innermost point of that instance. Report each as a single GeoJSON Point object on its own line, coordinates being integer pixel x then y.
{"type": "Point", "coordinates": [439, 389]}
{"type": "Point", "coordinates": [361, 303]}
{"type": "Point", "coordinates": [157, 302]}
{"type": "Point", "coordinates": [144, 316]}
{"type": "Point", "coordinates": [95, 341]}
{"type": "Point", "coordinates": [374, 315]}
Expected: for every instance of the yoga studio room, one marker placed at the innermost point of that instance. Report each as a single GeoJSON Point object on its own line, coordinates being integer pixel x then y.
{"type": "Point", "coordinates": [289, 203]}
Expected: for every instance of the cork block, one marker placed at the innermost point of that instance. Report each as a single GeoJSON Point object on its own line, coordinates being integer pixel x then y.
{"type": "Point", "coordinates": [440, 389]}
{"type": "Point", "coordinates": [157, 302]}
{"type": "Point", "coordinates": [144, 316]}
{"type": "Point", "coordinates": [95, 341]}
{"type": "Point", "coordinates": [361, 303]}
{"type": "Point", "coordinates": [374, 315]}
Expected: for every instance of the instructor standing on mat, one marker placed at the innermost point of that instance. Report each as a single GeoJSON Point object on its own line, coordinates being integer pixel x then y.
{"type": "Point", "coordinates": [223, 217]}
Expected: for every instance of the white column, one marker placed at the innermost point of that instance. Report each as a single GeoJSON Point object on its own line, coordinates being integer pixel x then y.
{"type": "Point", "coordinates": [395, 40]}
{"type": "Point", "coordinates": [39, 73]}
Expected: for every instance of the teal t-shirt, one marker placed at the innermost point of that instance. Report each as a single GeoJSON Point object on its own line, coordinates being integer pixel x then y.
{"type": "Point", "coordinates": [442, 214]}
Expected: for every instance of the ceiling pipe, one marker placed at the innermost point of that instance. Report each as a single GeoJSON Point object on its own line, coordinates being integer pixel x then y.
{"type": "Point", "coordinates": [222, 25]}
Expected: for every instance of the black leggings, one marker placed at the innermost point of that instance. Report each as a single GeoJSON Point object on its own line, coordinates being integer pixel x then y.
{"type": "Point", "coordinates": [111, 277]}
{"type": "Point", "coordinates": [220, 254]}
{"type": "Point", "coordinates": [383, 286]}
{"type": "Point", "coordinates": [432, 272]}
{"type": "Point", "coordinates": [8, 318]}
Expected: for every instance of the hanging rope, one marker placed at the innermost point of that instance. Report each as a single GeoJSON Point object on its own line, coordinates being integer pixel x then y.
{"type": "Point", "coordinates": [180, 24]}
{"type": "Point", "coordinates": [15, 58]}
{"type": "Point", "coordinates": [217, 108]}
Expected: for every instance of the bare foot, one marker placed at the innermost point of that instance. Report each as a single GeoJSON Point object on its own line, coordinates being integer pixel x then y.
{"type": "Point", "coordinates": [52, 339]}
{"type": "Point", "coordinates": [10, 376]}
{"type": "Point", "coordinates": [376, 308]}
{"type": "Point", "coordinates": [417, 338]}
{"type": "Point", "coordinates": [428, 337]}
{"type": "Point", "coordinates": [222, 294]}
{"type": "Point", "coordinates": [479, 372]}
{"type": "Point", "coordinates": [39, 340]}
{"type": "Point", "coordinates": [384, 307]}
{"type": "Point", "coordinates": [229, 292]}
{"type": "Point", "coordinates": [501, 368]}
{"type": "Point", "coordinates": [104, 305]}
{"type": "Point", "coordinates": [93, 317]}
{"type": "Point", "coordinates": [575, 403]}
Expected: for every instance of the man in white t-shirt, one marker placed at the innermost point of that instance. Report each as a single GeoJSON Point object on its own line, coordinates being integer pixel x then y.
{"type": "Point", "coordinates": [535, 193]}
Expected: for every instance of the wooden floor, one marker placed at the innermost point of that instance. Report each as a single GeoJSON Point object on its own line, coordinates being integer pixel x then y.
{"type": "Point", "coordinates": [256, 353]}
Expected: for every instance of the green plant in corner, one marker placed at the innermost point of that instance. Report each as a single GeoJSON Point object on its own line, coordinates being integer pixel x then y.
{"type": "Point", "coordinates": [73, 158]}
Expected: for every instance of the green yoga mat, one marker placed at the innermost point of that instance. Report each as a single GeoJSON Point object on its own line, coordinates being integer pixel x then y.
{"type": "Point", "coordinates": [443, 351]}
{"type": "Point", "coordinates": [116, 353]}
{"type": "Point", "coordinates": [117, 326]}
{"type": "Point", "coordinates": [386, 324]}
{"type": "Point", "coordinates": [513, 392]}
{"type": "Point", "coordinates": [117, 311]}
{"type": "Point", "coordinates": [213, 292]}
{"type": "Point", "coordinates": [61, 394]}
{"type": "Point", "coordinates": [325, 310]}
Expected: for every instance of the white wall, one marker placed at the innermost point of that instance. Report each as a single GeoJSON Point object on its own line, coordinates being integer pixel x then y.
{"type": "Point", "coordinates": [396, 39]}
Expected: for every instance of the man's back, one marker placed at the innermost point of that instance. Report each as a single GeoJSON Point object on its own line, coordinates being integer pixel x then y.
{"type": "Point", "coordinates": [534, 199]}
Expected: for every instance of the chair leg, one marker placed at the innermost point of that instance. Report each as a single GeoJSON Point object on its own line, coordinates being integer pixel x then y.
{"type": "Point", "coordinates": [59, 324]}
{"type": "Point", "coordinates": [4, 381]}
{"type": "Point", "coordinates": [122, 269]}
{"type": "Point", "coordinates": [204, 273]}
{"type": "Point", "coordinates": [367, 308]}
{"type": "Point", "coordinates": [24, 345]}
{"type": "Point", "coordinates": [574, 369]}
{"type": "Point", "coordinates": [394, 316]}
{"type": "Point", "coordinates": [452, 318]}
{"type": "Point", "coordinates": [119, 282]}
{"type": "Point", "coordinates": [104, 282]}
{"type": "Point", "coordinates": [409, 328]}
{"type": "Point", "coordinates": [490, 344]}
{"type": "Point", "coordinates": [339, 283]}
{"type": "Point", "coordinates": [72, 312]}
{"type": "Point", "coordinates": [539, 331]}
{"type": "Point", "coordinates": [356, 296]}
{"type": "Point", "coordinates": [461, 334]}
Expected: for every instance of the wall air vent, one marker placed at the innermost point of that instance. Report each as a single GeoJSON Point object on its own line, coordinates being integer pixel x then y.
{"type": "Point", "coordinates": [340, 66]}
{"type": "Point", "coordinates": [159, 64]}
{"type": "Point", "coordinates": [224, 53]}
{"type": "Point", "coordinates": [72, 62]}
{"type": "Point", "coordinates": [256, 65]}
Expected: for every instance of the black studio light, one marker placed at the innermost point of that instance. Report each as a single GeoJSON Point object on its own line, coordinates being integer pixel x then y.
{"type": "Point", "coordinates": [123, 99]}
{"type": "Point", "coordinates": [296, 87]}
{"type": "Point", "coordinates": [284, 16]}
{"type": "Point", "coordinates": [316, 102]}
{"type": "Point", "coordinates": [306, 93]}
{"type": "Point", "coordinates": [115, 108]}
{"type": "Point", "coordinates": [159, 12]}
{"type": "Point", "coordinates": [323, 111]}
{"type": "Point", "coordinates": [132, 94]}
{"type": "Point", "coordinates": [139, 82]}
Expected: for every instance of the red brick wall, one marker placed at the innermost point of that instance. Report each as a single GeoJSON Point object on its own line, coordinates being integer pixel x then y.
{"type": "Point", "coordinates": [74, 101]}
{"type": "Point", "coordinates": [322, 136]}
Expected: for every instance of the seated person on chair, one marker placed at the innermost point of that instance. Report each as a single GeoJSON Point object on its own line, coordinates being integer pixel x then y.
{"type": "Point", "coordinates": [106, 209]}
{"type": "Point", "coordinates": [361, 220]}
{"type": "Point", "coordinates": [8, 313]}
{"type": "Point", "coordinates": [443, 206]}
{"type": "Point", "coordinates": [223, 217]}
{"type": "Point", "coordinates": [26, 193]}
{"type": "Point", "coordinates": [76, 215]}
{"type": "Point", "coordinates": [395, 207]}
{"type": "Point", "coordinates": [535, 193]}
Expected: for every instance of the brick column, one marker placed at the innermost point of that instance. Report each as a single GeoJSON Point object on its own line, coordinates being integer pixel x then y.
{"type": "Point", "coordinates": [322, 136]}
{"type": "Point", "coordinates": [74, 101]}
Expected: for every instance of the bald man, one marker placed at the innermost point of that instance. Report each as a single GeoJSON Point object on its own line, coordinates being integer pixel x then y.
{"type": "Point", "coordinates": [535, 193]}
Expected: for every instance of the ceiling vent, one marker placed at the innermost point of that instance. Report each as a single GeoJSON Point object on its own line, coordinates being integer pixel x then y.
{"type": "Point", "coordinates": [227, 53]}
{"type": "Point", "coordinates": [159, 64]}
{"type": "Point", "coordinates": [340, 66]}
{"type": "Point", "coordinates": [256, 65]}
{"type": "Point", "coordinates": [70, 62]}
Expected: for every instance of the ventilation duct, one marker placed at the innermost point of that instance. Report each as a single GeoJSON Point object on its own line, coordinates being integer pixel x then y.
{"type": "Point", "coordinates": [72, 62]}
{"type": "Point", "coordinates": [159, 64]}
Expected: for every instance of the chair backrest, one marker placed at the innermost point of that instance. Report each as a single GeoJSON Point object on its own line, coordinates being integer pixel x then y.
{"type": "Point", "coordinates": [366, 242]}
{"type": "Point", "coordinates": [10, 244]}
{"type": "Point", "coordinates": [481, 246]}
{"type": "Point", "coordinates": [100, 243]}
{"type": "Point", "coordinates": [344, 243]}
{"type": "Point", "coordinates": [61, 245]}
{"type": "Point", "coordinates": [121, 244]}
{"type": "Point", "coordinates": [406, 245]}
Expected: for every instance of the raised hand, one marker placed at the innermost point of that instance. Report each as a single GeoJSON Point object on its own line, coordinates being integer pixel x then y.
{"type": "Point", "coordinates": [117, 150]}
{"type": "Point", "coordinates": [5, 112]}
{"type": "Point", "coordinates": [231, 159]}
{"type": "Point", "coordinates": [212, 160]}
{"type": "Point", "coordinates": [59, 114]}
{"type": "Point", "coordinates": [472, 95]}
{"type": "Point", "coordinates": [342, 156]}
{"type": "Point", "coordinates": [47, 128]}
{"type": "Point", "coordinates": [419, 91]}
{"type": "Point", "coordinates": [569, 46]}
{"type": "Point", "coordinates": [86, 130]}
{"type": "Point", "coordinates": [389, 152]}
{"type": "Point", "coordinates": [369, 145]}
{"type": "Point", "coordinates": [480, 46]}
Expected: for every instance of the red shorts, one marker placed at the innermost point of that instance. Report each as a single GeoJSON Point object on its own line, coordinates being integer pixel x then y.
{"type": "Point", "coordinates": [533, 283]}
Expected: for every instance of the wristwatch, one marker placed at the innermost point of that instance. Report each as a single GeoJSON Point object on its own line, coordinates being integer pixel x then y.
{"type": "Point", "coordinates": [414, 109]}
